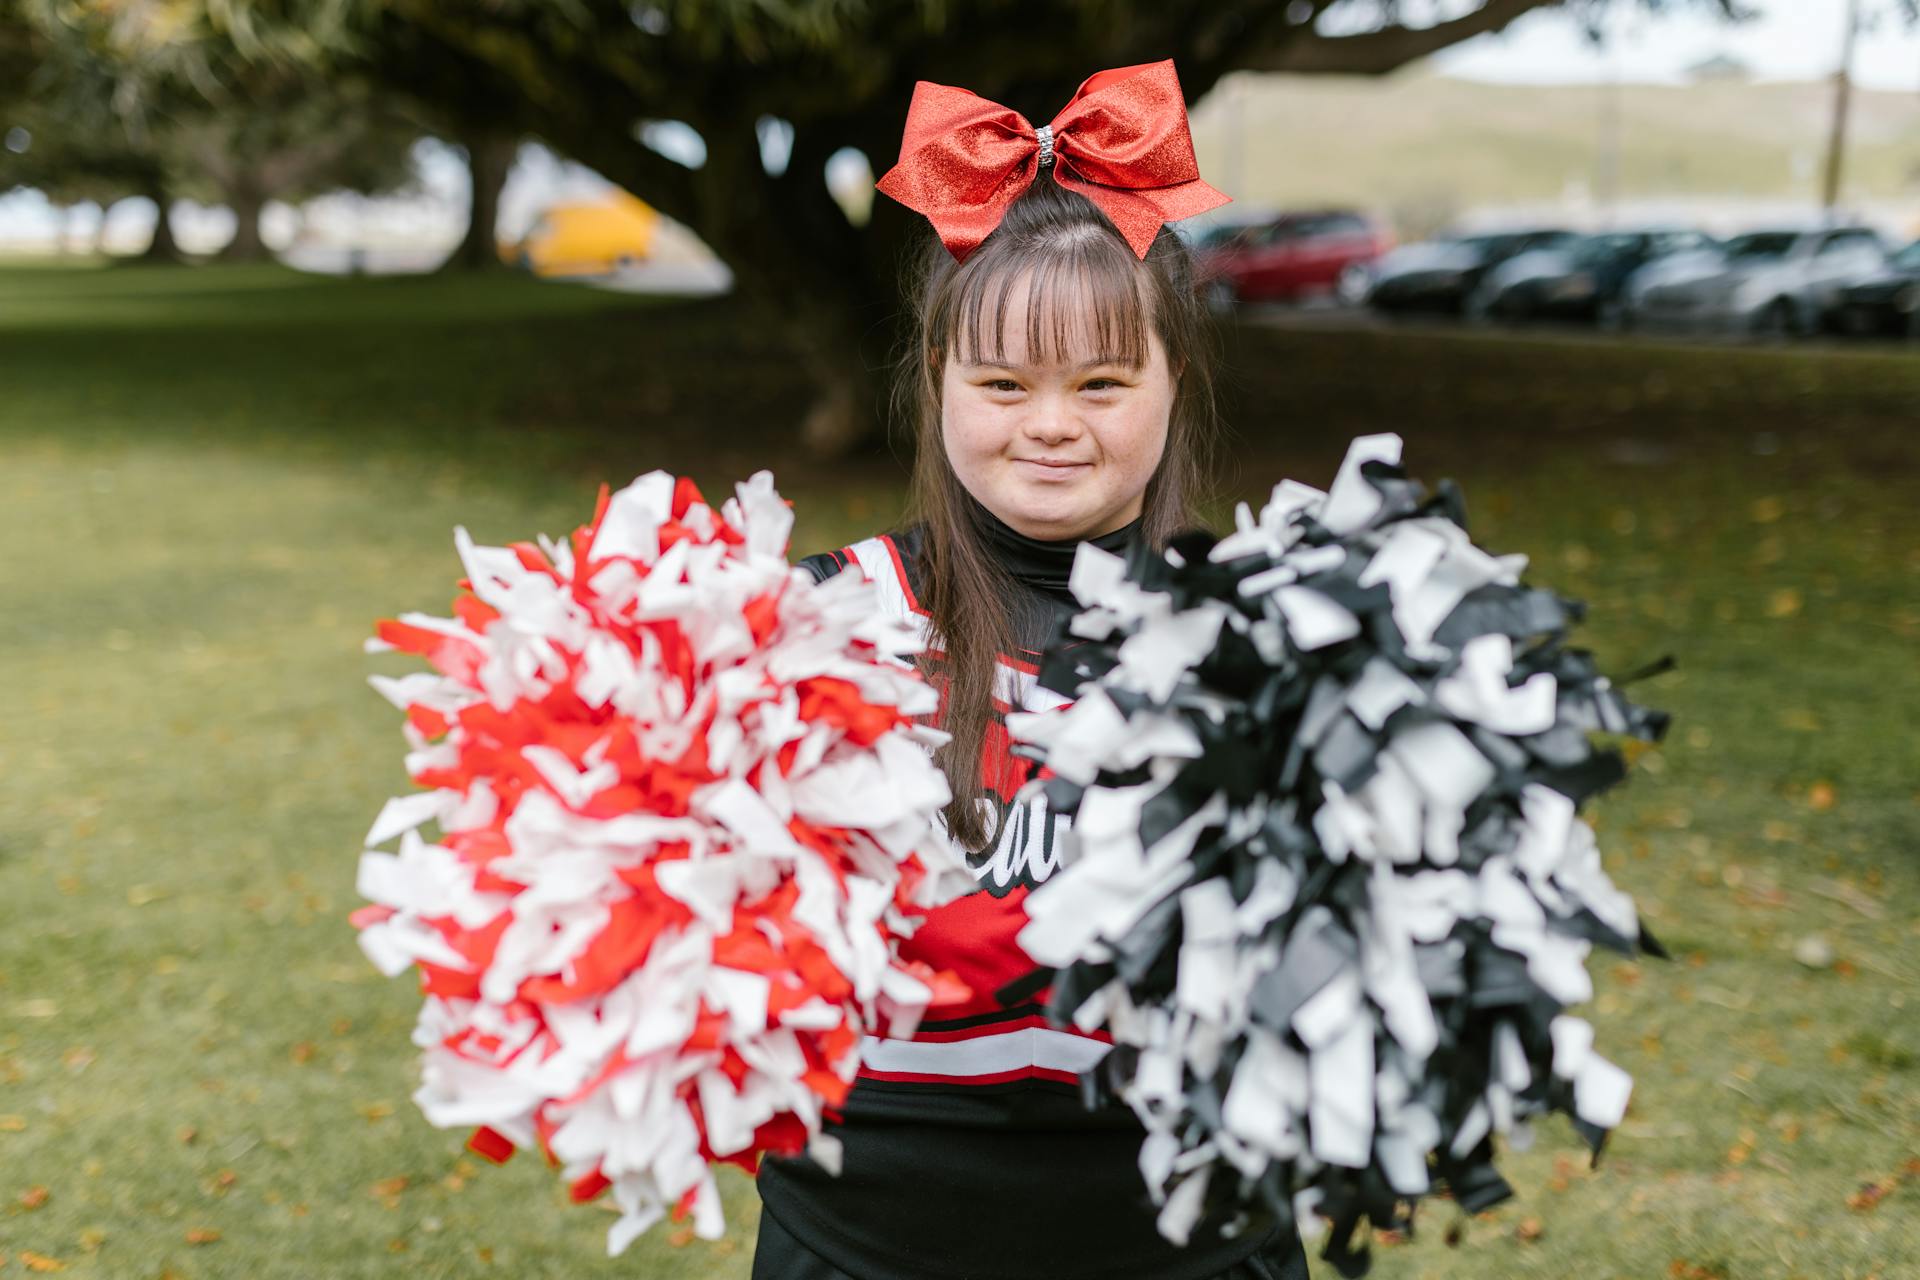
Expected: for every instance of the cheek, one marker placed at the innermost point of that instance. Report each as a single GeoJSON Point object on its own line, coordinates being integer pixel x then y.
{"type": "Point", "coordinates": [1136, 439]}
{"type": "Point", "coordinates": [972, 434]}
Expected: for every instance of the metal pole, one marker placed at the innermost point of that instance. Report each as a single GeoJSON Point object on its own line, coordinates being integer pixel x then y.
{"type": "Point", "coordinates": [1842, 99]}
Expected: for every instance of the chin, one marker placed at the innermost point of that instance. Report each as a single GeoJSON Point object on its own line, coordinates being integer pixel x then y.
{"type": "Point", "coordinates": [1052, 521]}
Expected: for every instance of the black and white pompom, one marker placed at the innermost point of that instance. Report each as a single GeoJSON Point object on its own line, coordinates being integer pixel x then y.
{"type": "Point", "coordinates": [1328, 888]}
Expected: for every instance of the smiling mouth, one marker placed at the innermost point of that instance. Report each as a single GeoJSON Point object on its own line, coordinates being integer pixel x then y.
{"type": "Point", "coordinates": [1054, 464]}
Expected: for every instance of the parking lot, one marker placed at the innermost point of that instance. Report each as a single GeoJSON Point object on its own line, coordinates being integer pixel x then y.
{"type": "Point", "coordinates": [1791, 282]}
{"type": "Point", "coordinates": [1332, 316]}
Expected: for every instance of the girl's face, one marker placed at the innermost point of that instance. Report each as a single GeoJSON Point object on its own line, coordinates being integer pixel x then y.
{"type": "Point", "coordinates": [1057, 447]}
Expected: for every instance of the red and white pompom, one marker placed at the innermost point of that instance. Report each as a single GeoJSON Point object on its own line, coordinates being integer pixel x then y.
{"type": "Point", "coordinates": [684, 816]}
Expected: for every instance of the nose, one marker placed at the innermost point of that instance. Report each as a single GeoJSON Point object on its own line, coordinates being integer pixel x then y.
{"type": "Point", "coordinates": [1051, 419]}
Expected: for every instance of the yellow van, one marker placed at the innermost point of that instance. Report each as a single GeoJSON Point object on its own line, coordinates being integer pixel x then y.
{"type": "Point", "coordinates": [586, 239]}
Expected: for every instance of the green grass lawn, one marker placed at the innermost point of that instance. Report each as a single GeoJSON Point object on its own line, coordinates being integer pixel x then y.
{"type": "Point", "coordinates": [212, 481]}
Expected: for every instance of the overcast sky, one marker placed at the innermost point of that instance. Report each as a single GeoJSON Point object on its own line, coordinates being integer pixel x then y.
{"type": "Point", "coordinates": [1791, 40]}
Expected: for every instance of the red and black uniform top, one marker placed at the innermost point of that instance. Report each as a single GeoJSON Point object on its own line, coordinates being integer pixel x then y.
{"type": "Point", "coordinates": [968, 1154]}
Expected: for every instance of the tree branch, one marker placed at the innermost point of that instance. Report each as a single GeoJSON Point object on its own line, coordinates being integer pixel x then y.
{"type": "Point", "coordinates": [1374, 53]}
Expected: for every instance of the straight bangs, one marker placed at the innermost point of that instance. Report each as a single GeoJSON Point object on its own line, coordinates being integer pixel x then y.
{"type": "Point", "coordinates": [1083, 302]}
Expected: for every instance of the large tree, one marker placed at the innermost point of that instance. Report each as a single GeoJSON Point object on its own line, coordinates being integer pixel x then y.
{"type": "Point", "coordinates": [464, 97]}
{"type": "Point", "coordinates": [88, 105]}
{"type": "Point", "coordinates": [162, 99]}
{"type": "Point", "coordinates": [595, 79]}
{"type": "Point", "coordinates": [282, 131]}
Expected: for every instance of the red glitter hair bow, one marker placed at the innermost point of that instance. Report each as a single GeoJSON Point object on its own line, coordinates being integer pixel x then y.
{"type": "Point", "coordinates": [1121, 141]}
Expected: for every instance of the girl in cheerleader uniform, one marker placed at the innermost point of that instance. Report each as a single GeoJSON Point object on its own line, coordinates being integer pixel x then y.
{"type": "Point", "coordinates": [1061, 393]}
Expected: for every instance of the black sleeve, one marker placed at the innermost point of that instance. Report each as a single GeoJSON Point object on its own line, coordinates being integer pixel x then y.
{"type": "Point", "coordinates": [826, 564]}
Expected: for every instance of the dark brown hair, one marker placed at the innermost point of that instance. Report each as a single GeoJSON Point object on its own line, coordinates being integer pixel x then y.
{"type": "Point", "coordinates": [1084, 281]}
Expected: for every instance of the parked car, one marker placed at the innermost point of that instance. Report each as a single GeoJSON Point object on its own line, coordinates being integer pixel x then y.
{"type": "Point", "coordinates": [1580, 280]}
{"type": "Point", "coordinates": [1214, 229]}
{"type": "Point", "coordinates": [1439, 275]}
{"type": "Point", "coordinates": [1887, 303]}
{"type": "Point", "coordinates": [1783, 282]}
{"type": "Point", "coordinates": [1295, 256]}
{"type": "Point", "coordinates": [595, 237]}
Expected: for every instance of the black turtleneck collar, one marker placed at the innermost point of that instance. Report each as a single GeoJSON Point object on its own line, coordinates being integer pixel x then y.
{"type": "Point", "coordinates": [1044, 566]}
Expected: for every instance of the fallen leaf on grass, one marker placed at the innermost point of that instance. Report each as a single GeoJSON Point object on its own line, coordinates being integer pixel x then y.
{"type": "Point", "coordinates": [1681, 1269]}
{"type": "Point", "coordinates": [1870, 1194]}
{"type": "Point", "coordinates": [1737, 1154]}
{"type": "Point", "coordinates": [1820, 797]}
{"type": "Point", "coordinates": [682, 1238]}
{"type": "Point", "coordinates": [40, 1262]}
{"type": "Point", "coordinates": [33, 1197]}
{"type": "Point", "coordinates": [91, 1239]}
{"type": "Point", "coordinates": [373, 1111]}
{"type": "Point", "coordinates": [202, 1235]}
{"type": "Point", "coordinates": [186, 1134]}
{"type": "Point", "coordinates": [389, 1186]}
{"type": "Point", "coordinates": [1783, 603]}
{"type": "Point", "coordinates": [1529, 1230]}
{"type": "Point", "coordinates": [1763, 895]}
{"type": "Point", "coordinates": [13, 1124]}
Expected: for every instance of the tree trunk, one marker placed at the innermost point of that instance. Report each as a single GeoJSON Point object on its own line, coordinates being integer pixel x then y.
{"type": "Point", "coordinates": [247, 202]}
{"type": "Point", "coordinates": [162, 247]}
{"type": "Point", "coordinates": [829, 287]}
{"type": "Point", "coordinates": [848, 409]}
{"type": "Point", "coordinates": [490, 157]}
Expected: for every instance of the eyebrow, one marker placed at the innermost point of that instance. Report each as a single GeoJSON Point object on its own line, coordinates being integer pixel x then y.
{"type": "Point", "coordinates": [1084, 365]}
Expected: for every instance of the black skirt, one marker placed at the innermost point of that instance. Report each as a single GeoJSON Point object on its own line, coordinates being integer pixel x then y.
{"type": "Point", "coordinates": [927, 1201]}
{"type": "Point", "coordinates": [778, 1256]}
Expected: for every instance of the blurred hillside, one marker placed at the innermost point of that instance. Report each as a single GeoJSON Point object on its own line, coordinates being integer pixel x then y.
{"type": "Point", "coordinates": [1422, 147]}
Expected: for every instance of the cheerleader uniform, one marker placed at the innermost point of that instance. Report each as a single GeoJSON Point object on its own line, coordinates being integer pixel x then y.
{"type": "Point", "coordinates": [968, 1154]}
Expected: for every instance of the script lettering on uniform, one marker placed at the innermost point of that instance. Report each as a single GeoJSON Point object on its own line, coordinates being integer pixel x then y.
{"type": "Point", "coordinates": [1025, 847]}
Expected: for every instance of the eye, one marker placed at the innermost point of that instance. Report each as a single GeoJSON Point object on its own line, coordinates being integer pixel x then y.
{"type": "Point", "coordinates": [1003, 384]}
{"type": "Point", "coordinates": [1101, 384]}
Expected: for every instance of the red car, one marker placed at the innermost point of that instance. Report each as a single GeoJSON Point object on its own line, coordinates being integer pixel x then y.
{"type": "Point", "coordinates": [1297, 255]}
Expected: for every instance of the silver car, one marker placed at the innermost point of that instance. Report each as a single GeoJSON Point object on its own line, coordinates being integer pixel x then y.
{"type": "Point", "coordinates": [1781, 282]}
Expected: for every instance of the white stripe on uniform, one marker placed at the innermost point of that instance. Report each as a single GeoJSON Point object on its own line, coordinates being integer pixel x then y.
{"type": "Point", "coordinates": [985, 1055]}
